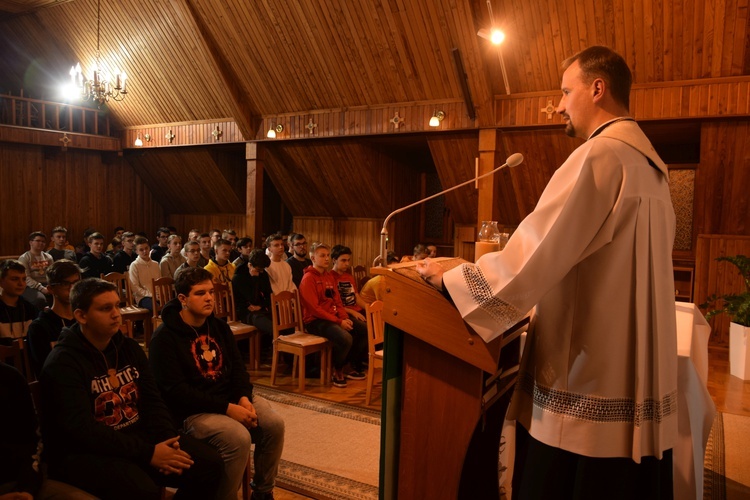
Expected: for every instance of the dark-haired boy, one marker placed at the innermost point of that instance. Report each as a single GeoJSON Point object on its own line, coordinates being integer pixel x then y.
{"type": "Point", "coordinates": [60, 248]}
{"type": "Point", "coordinates": [245, 247]}
{"type": "Point", "coordinates": [347, 285]}
{"type": "Point", "coordinates": [45, 329]}
{"type": "Point", "coordinates": [280, 272]}
{"type": "Point", "coordinates": [106, 429]}
{"type": "Point", "coordinates": [160, 248]}
{"type": "Point", "coordinates": [16, 313]}
{"type": "Point", "coordinates": [299, 261]}
{"type": "Point", "coordinates": [127, 255]}
{"type": "Point", "coordinates": [95, 262]}
{"type": "Point", "coordinates": [36, 261]}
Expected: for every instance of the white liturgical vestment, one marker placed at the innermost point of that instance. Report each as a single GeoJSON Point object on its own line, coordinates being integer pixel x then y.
{"type": "Point", "coordinates": [599, 370]}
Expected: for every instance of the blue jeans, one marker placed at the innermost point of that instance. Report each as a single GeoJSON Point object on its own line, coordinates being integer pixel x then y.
{"type": "Point", "coordinates": [348, 346]}
{"type": "Point", "coordinates": [232, 440]}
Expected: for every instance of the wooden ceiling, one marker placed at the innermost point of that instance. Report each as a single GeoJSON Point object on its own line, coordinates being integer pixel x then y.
{"type": "Point", "coordinates": [198, 59]}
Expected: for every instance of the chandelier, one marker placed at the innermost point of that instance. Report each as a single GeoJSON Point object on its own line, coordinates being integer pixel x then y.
{"type": "Point", "coordinates": [101, 88]}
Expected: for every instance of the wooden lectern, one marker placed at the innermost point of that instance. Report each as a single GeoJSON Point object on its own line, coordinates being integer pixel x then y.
{"type": "Point", "coordinates": [446, 392]}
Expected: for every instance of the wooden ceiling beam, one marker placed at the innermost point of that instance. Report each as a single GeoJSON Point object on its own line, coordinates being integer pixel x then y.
{"type": "Point", "coordinates": [246, 114]}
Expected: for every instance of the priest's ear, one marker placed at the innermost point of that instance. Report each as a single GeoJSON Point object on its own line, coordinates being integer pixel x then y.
{"type": "Point", "coordinates": [599, 87]}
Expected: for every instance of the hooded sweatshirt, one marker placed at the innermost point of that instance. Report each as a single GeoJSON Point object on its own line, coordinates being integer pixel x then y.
{"type": "Point", "coordinates": [320, 297]}
{"type": "Point", "coordinates": [197, 370]}
{"type": "Point", "coordinates": [88, 413]}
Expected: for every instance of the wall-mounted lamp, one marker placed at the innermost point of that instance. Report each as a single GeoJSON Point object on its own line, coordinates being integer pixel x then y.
{"type": "Point", "coordinates": [138, 141]}
{"type": "Point", "coordinates": [275, 130]}
{"type": "Point", "coordinates": [437, 117]}
{"type": "Point", "coordinates": [147, 137]}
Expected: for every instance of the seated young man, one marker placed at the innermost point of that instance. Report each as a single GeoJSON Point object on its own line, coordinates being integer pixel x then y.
{"type": "Point", "coordinates": [60, 248]}
{"type": "Point", "coordinates": [324, 314]}
{"type": "Point", "coordinates": [193, 254]}
{"type": "Point", "coordinates": [16, 313]}
{"type": "Point", "coordinates": [45, 329]}
{"type": "Point", "coordinates": [173, 259]}
{"type": "Point", "coordinates": [36, 261]}
{"type": "Point", "coordinates": [219, 266]}
{"type": "Point", "coordinates": [116, 233]}
{"type": "Point", "coordinates": [127, 255]}
{"type": "Point", "coordinates": [95, 262]}
{"type": "Point", "coordinates": [252, 292]}
{"type": "Point", "coordinates": [206, 249]}
{"type": "Point", "coordinates": [160, 248]}
{"type": "Point", "coordinates": [230, 235]}
{"type": "Point", "coordinates": [347, 285]}
{"type": "Point", "coordinates": [280, 272]}
{"type": "Point", "coordinates": [106, 429]}
{"type": "Point", "coordinates": [203, 379]}
{"type": "Point", "coordinates": [143, 271]}
{"type": "Point", "coordinates": [299, 261]}
{"type": "Point", "coordinates": [193, 235]}
{"type": "Point", "coordinates": [244, 247]}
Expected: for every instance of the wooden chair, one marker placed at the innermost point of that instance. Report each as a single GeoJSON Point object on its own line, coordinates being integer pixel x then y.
{"type": "Point", "coordinates": [28, 369]}
{"type": "Point", "coordinates": [224, 309]}
{"type": "Point", "coordinates": [360, 274]}
{"type": "Point", "coordinates": [128, 310]}
{"type": "Point", "coordinates": [11, 354]}
{"type": "Point", "coordinates": [287, 313]}
{"type": "Point", "coordinates": [375, 337]}
{"type": "Point", "coordinates": [163, 292]}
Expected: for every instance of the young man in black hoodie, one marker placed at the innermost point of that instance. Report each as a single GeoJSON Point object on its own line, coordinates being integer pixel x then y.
{"type": "Point", "coordinates": [106, 429]}
{"type": "Point", "coordinates": [203, 379]}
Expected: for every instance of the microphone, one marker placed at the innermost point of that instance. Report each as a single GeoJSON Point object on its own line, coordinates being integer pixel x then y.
{"type": "Point", "coordinates": [512, 161]}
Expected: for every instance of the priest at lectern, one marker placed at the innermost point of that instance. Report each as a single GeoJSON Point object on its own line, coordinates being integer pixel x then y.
{"type": "Point", "coordinates": [596, 398]}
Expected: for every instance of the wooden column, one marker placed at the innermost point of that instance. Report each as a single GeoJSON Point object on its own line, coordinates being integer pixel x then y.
{"type": "Point", "coordinates": [488, 142]}
{"type": "Point", "coordinates": [255, 155]}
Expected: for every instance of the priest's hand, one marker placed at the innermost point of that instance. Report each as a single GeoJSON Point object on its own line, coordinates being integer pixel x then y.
{"type": "Point", "coordinates": [431, 272]}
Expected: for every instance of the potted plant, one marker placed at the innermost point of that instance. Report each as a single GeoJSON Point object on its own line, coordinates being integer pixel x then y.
{"type": "Point", "coordinates": [737, 306]}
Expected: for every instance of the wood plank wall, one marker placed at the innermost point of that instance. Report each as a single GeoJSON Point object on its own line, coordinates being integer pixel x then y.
{"type": "Point", "coordinates": [183, 134]}
{"type": "Point", "coordinates": [718, 277]}
{"type": "Point", "coordinates": [44, 188]}
{"type": "Point", "coordinates": [207, 222]}
{"type": "Point", "coordinates": [361, 235]}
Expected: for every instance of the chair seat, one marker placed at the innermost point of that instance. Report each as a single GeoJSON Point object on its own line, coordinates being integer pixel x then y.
{"type": "Point", "coordinates": [301, 339]}
{"type": "Point", "coordinates": [131, 310]}
{"type": "Point", "coordinates": [240, 328]}
{"type": "Point", "coordinates": [378, 354]}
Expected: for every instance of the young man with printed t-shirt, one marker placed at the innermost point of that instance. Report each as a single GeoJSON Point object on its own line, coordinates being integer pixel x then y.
{"type": "Point", "coordinates": [347, 286]}
{"type": "Point", "coordinates": [106, 429]}
{"type": "Point", "coordinates": [36, 261]}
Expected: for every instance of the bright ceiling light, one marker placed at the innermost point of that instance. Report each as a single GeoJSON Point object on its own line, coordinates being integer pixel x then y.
{"type": "Point", "coordinates": [497, 37]}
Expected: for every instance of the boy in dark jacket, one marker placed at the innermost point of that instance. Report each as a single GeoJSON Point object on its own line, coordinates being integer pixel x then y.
{"type": "Point", "coordinates": [203, 378]}
{"type": "Point", "coordinates": [106, 429]}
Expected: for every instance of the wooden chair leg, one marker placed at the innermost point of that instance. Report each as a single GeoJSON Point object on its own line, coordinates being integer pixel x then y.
{"type": "Point", "coordinates": [274, 365]}
{"type": "Point", "coordinates": [370, 376]}
{"type": "Point", "coordinates": [302, 378]}
{"type": "Point", "coordinates": [148, 330]}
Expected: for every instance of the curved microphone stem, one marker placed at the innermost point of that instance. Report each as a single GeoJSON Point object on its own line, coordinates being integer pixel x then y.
{"type": "Point", "coordinates": [512, 161]}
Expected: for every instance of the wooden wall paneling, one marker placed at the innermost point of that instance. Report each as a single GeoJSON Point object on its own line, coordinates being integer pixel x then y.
{"type": "Point", "coordinates": [76, 189]}
{"type": "Point", "coordinates": [188, 180]}
{"type": "Point", "coordinates": [719, 278]}
{"type": "Point", "coordinates": [454, 157]}
{"type": "Point", "coordinates": [722, 204]}
{"type": "Point", "coordinates": [361, 235]}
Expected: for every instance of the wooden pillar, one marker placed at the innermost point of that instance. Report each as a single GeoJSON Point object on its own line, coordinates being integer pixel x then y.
{"type": "Point", "coordinates": [255, 155]}
{"type": "Point", "coordinates": [488, 142]}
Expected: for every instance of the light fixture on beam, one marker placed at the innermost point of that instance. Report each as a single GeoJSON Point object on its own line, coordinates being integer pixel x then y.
{"type": "Point", "coordinates": [275, 130]}
{"type": "Point", "coordinates": [437, 117]}
{"type": "Point", "coordinates": [138, 141]}
{"type": "Point", "coordinates": [494, 35]}
{"type": "Point", "coordinates": [101, 88]}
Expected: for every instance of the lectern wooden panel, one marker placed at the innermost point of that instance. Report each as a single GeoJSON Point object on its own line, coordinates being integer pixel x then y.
{"type": "Point", "coordinates": [450, 409]}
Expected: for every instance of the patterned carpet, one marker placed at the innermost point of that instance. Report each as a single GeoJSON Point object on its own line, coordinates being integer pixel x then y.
{"type": "Point", "coordinates": [331, 450]}
{"type": "Point", "coordinates": [726, 466]}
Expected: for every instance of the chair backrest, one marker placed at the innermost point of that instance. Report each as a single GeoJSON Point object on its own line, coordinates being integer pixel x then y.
{"type": "Point", "coordinates": [360, 273]}
{"type": "Point", "coordinates": [375, 325]}
{"type": "Point", "coordinates": [223, 301]}
{"type": "Point", "coordinates": [286, 311]}
{"type": "Point", "coordinates": [122, 282]}
{"type": "Point", "coordinates": [163, 292]}
{"type": "Point", "coordinates": [23, 344]}
{"type": "Point", "coordinates": [13, 353]}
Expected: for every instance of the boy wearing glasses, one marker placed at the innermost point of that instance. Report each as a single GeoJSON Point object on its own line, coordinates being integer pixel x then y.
{"type": "Point", "coordinates": [45, 329]}
{"type": "Point", "coordinates": [161, 247]}
{"type": "Point", "coordinates": [299, 260]}
{"type": "Point", "coordinates": [192, 257]}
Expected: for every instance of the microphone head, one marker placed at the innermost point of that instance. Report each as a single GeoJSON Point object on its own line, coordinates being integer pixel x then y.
{"type": "Point", "coordinates": [514, 160]}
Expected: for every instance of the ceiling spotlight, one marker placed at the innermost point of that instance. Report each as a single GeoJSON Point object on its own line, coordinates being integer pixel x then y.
{"type": "Point", "coordinates": [274, 130]}
{"type": "Point", "coordinates": [495, 36]}
{"type": "Point", "coordinates": [437, 117]}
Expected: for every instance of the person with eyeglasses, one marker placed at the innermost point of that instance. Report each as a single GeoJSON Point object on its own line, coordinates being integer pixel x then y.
{"type": "Point", "coordinates": [36, 261]}
{"type": "Point", "coordinates": [161, 247]}
{"type": "Point", "coordinates": [45, 329]}
{"type": "Point", "coordinates": [299, 261]}
{"type": "Point", "coordinates": [192, 257]}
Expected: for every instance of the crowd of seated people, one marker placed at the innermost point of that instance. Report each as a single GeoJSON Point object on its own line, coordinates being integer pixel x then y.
{"type": "Point", "coordinates": [54, 298]}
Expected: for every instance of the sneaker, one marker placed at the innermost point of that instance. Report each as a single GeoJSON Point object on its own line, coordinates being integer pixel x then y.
{"type": "Point", "coordinates": [338, 382]}
{"type": "Point", "coordinates": [355, 375]}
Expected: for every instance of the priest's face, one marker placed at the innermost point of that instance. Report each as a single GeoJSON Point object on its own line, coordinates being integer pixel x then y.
{"type": "Point", "coordinates": [577, 104]}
